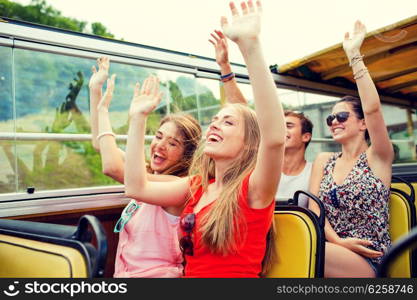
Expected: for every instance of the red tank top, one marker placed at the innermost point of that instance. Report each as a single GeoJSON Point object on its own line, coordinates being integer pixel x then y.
{"type": "Point", "coordinates": [247, 261]}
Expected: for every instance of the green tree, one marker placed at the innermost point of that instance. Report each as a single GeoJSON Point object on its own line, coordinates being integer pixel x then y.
{"type": "Point", "coordinates": [100, 29]}
{"type": "Point", "coordinates": [38, 11]}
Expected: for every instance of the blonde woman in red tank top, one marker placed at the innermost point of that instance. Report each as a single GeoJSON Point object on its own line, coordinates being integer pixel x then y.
{"type": "Point", "coordinates": [235, 171]}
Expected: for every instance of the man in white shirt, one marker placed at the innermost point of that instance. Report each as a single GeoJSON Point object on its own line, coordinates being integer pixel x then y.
{"type": "Point", "coordinates": [296, 170]}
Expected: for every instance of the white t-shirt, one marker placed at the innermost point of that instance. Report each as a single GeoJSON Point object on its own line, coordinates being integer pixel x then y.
{"type": "Point", "coordinates": [288, 185]}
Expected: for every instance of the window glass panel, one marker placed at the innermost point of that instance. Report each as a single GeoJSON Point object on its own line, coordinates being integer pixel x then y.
{"type": "Point", "coordinates": [51, 92]}
{"type": "Point", "coordinates": [317, 107]}
{"type": "Point", "coordinates": [7, 148]}
{"type": "Point", "coordinates": [52, 97]}
{"type": "Point", "coordinates": [209, 98]}
{"type": "Point", "coordinates": [48, 165]}
{"type": "Point", "coordinates": [182, 92]}
{"type": "Point", "coordinates": [402, 128]}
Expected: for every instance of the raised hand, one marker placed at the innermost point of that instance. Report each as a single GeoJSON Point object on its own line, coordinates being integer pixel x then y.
{"type": "Point", "coordinates": [145, 99]}
{"type": "Point", "coordinates": [246, 26]}
{"type": "Point", "coordinates": [352, 44]}
{"type": "Point", "coordinates": [108, 94]}
{"type": "Point", "coordinates": [99, 77]}
{"type": "Point", "coordinates": [360, 247]}
{"type": "Point", "coordinates": [219, 42]}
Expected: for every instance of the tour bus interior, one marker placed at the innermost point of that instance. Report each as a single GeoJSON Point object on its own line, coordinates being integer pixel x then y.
{"type": "Point", "coordinates": [51, 174]}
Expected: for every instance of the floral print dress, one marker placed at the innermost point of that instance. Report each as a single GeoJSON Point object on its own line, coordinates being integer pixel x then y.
{"type": "Point", "coordinates": [358, 207]}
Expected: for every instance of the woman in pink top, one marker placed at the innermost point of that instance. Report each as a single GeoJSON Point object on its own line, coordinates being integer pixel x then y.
{"type": "Point", "coordinates": [148, 241]}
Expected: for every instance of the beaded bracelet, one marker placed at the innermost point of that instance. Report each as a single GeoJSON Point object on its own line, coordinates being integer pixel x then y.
{"type": "Point", "coordinates": [359, 74]}
{"type": "Point", "coordinates": [227, 77]}
{"type": "Point", "coordinates": [356, 59]}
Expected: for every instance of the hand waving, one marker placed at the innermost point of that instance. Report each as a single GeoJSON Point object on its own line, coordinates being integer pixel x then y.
{"type": "Point", "coordinates": [108, 94]}
{"type": "Point", "coordinates": [352, 44]}
{"type": "Point", "coordinates": [245, 27]}
{"type": "Point", "coordinates": [219, 42]}
{"type": "Point", "coordinates": [146, 99]}
{"type": "Point", "coordinates": [99, 77]}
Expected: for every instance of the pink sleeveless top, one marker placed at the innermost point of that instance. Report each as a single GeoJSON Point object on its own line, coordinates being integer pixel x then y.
{"type": "Point", "coordinates": [148, 245]}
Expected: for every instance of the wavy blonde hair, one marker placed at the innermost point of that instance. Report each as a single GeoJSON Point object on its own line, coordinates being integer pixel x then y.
{"type": "Point", "coordinates": [220, 226]}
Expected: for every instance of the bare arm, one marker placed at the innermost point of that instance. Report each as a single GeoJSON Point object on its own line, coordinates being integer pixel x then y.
{"type": "Point", "coordinates": [381, 148]}
{"type": "Point", "coordinates": [231, 89]}
{"type": "Point", "coordinates": [244, 31]}
{"type": "Point", "coordinates": [315, 180]}
{"type": "Point", "coordinates": [137, 184]}
{"type": "Point", "coordinates": [112, 158]}
{"type": "Point", "coordinates": [95, 87]}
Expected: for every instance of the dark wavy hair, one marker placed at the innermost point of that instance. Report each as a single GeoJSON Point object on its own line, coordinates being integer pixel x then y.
{"type": "Point", "coordinates": [356, 105]}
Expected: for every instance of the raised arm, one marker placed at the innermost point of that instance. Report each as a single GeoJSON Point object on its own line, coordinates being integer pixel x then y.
{"type": "Point", "coordinates": [231, 89]}
{"type": "Point", "coordinates": [95, 86]}
{"type": "Point", "coordinates": [137, 184]}
{"type": "Point", "coordinates": [244, 31]}
{"type": "Point", "coordinates": [112, 157]}
{"type": "Point", "coordinates": [381, 148]}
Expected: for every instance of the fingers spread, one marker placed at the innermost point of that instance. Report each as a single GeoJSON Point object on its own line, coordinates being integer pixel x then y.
{"type": "Point", "coordinates": [251, 7]}
{"type": "Point", "coordinates": [219, 34]}
{"type": "Point", "coordinates": [244, 8]}
{"type": "Point", "coordinates": [259, 6]}
{"type": "Point", "coordinates": [145, 86]}
{"type": "Point", "coordinates": [233, 9]}
{"type": "Point", "coordinates": [136, 89]}
{"type": "Point", "coordinates": [155, 86]}
{"type": "Point", "coordinates": [110, 82]}
{"type": "Point", "coordinates": [215, 37]}
{"type": "Point", "coordinates": [223, 22]}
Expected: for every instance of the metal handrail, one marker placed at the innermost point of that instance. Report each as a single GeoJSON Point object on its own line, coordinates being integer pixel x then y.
{"type": "Point", "coordinates": [63, 137]}
{"type": "Point", "coordinates": [24, 136]}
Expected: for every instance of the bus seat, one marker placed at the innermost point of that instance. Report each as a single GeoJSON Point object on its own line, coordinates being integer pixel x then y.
{"type": "Point", "coordinates": [299, 242]}
{"type": "Point", "coordinates": [405, 244]}
{"type": "Point", "coordinates": [43, 250]}
{"type": "Point", "coordinates": [408, 189]}
{"type": "Point", "coordinates": [400, 223]}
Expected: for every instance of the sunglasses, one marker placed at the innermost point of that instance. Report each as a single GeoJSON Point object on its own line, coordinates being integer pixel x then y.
{"type": "Point", "coordinates": [333, 198]}
{"type": "Point", "coordinates": [127, 214]}
{"type": "Point", "coordinates": [187, 224]}
{"type": "Point", "coordinates": [340, 117]}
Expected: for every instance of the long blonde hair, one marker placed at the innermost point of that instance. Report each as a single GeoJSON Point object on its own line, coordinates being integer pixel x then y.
{"type": "Point", "coordinates": [220, 226]}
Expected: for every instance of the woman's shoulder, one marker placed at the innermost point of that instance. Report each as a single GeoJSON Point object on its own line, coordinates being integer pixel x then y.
{"type": "Point", "coordinates": [323, 157]}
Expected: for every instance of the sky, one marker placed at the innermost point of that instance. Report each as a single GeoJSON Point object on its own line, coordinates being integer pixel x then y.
{"type": "Point", "coordinates": [290, 29]}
